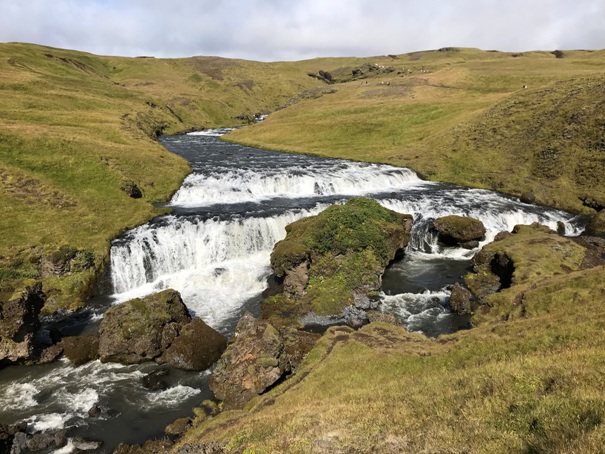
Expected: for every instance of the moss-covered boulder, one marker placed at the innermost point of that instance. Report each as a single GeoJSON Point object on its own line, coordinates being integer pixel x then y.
{"type": "Point", "coordinates": [81, 349]}
{"type": "Point", "coordinates": [459, 231]}
{"type": "Point", "coordinates": [141, 329]}
{"type": "Point", "coordinates": [326, 260]}
{"type": "Point", "coordinates": [596, 225]}
{"type": "Point", "coordinates": [151, 328]}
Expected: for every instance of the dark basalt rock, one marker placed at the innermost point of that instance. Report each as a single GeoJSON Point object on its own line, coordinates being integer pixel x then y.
{"type": "Point", "coordinates": [197, 347]}
{"type": "Point", "coordinates": [459, 231]}
{"type": "Point", "coordinates": [133, 191]}
{"type": "Point", "coordinates": [154, 380]}
{"type": "Point", "coordinates": [19, 323]}
{"type": "Point", "coordinates": [258, 357]}
{"type": "Point", "coordinates": [8, 433]}
{"type": "Point", "coordinates": [460, 300]}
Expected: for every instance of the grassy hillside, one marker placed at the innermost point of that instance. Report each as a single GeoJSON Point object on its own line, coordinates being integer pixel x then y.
{"type": "Point", "coordinates": [76, 130]}
{"type": "Point", "coordinates": [462, 116]}
{"type": "Point", "coordinates": [526, 379]}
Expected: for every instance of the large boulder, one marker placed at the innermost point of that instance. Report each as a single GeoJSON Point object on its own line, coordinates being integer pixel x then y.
{"type": "Point", "coordinates": [141, 329]}
{"type": "Point", "coordinates": [459, 231]}
{"type": "Point", "coordinates": [460, 300]}
{"type": "Point", "coordinates": [19, 323]}
{"type": "Point", "coordinates": [81, 349]}
{"type": "Point", "coordinates": [158, 327]}
{"type": "Point", "coordinates": [257, 358]}
{"type": "Point", "coordinates": [328, 260]}
{"type": "Point", "coordinates": [197, 347]}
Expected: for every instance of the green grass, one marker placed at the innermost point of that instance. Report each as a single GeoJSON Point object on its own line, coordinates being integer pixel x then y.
{"type": "Point", "coordinates": [76, 128]}
{"type": "Point", "coordinates": [532, 384]}
{"type": "Point", "coordinates": [464, 117]}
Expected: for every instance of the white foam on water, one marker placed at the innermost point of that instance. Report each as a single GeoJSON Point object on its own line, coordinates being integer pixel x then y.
{"type": "Point", "coordinates": [171, 397]}
{"type": "Point", "coordinates": [252, 185]}
{"type": "Point", "coordinates": [51, 421]}
{"type": "Point", "coordinates": [414, 310]}
{"type": "Point", "coordinates": [217, 132]}
{"type": "Point", "coordinates": [79, 402]}
{"type": "Point", "coordinates": [67, 449]}
{"type": "Point", "coordinates": [17, 396]}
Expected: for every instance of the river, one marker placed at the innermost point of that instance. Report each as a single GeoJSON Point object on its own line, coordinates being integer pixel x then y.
{"type": "Point", "coordinates": [214, 248]}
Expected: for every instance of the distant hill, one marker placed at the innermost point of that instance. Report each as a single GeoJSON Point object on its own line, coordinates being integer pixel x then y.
{"type": "Point", "coordinates": [530, 122]}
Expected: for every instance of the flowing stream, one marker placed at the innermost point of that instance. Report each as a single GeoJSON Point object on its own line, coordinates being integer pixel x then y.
{"type": "Point", "coordinates": [214, 248]}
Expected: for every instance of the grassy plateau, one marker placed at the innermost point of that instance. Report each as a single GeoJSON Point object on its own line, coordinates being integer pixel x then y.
{"type": "Point", "coordinates": [78, 130]}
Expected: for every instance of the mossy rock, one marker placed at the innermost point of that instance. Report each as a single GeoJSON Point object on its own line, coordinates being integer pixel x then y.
{"type": "Point", "coordinates": [81, 349]}
{"type": "Point", "coordinates": [141, 329]}
{"type": "Point", "coordinates": [596, 226]}
{"type": "Point", "coordinates": [326, 259]}
{"type": "Point", "coordinates": [459, 230]}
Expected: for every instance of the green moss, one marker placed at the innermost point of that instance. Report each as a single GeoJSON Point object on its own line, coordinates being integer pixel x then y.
{"type": "Point", "coordinates": [346, 246]}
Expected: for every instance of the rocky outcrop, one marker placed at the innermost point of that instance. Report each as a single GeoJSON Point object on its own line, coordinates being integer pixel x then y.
{"type": "Point", "coordinates": [185, 352]}
{"type": "Point", "coordinates": [459, 231]}
{"type": "Point", "coordinates": [258, 357]}
{"type": "Point", "coordinates": [460, 300]}
{"type": "Point", "coordinates": [327, 261]}
{"type": "Point", "coordinates": [529, 252]}
{"type": "Point", "coordinates": [145, 329]}
{"type": "Point", "coordinates": [154, 381]}
{"type": "Point", "coordinates": [81, 349]}
{"type": "Point", "coordinates": [19, 323]}
{"type": "Point", "coordinates": [17, 439]}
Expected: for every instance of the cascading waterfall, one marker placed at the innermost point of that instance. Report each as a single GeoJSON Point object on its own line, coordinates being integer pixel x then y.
{"type": "Point", "coordinates": [215, 249]}
{"type": "Point", "coordinates": [234, 207]}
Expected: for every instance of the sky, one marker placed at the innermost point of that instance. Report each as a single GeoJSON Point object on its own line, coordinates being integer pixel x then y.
{"type": "Point", "coordinates": [276, 30]}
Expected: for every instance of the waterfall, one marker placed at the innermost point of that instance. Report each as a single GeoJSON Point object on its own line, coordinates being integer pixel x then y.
{"type": "Point", "coordinates": [235, 206]}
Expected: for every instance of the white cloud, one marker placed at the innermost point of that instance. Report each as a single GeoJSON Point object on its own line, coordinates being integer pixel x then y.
{"type": "Point", "coordinates": [277, 30]}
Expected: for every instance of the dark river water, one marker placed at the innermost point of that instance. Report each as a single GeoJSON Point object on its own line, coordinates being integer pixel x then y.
{"type": "Point", "coordinates": [215, 250]}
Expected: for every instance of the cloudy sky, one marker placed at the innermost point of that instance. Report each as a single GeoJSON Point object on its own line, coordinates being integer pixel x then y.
{"type": "Point", "coordinates": [271, 30]}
